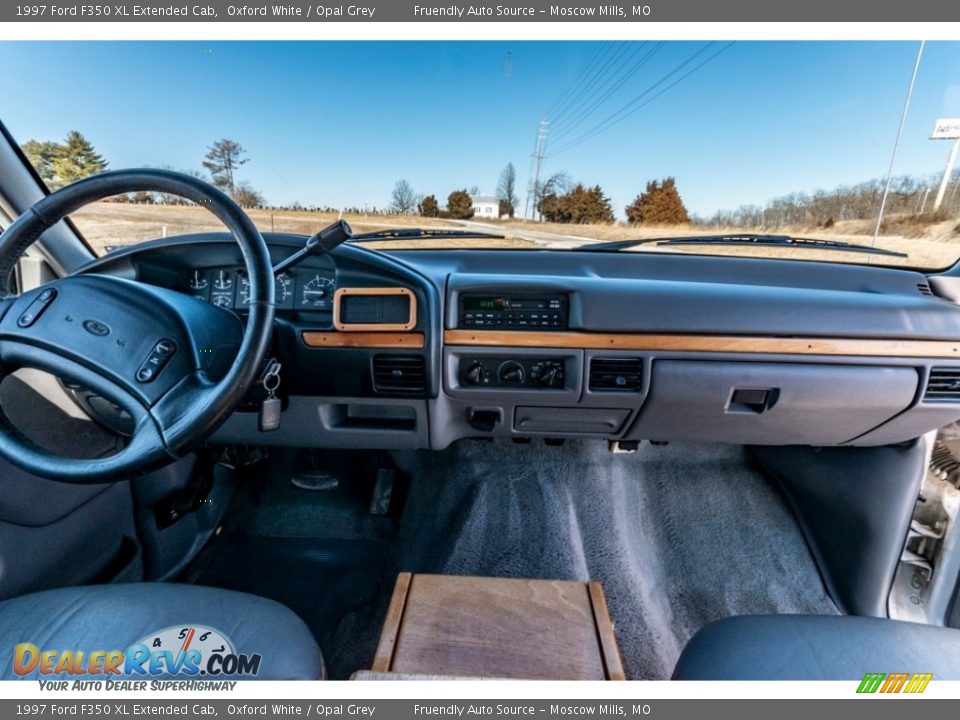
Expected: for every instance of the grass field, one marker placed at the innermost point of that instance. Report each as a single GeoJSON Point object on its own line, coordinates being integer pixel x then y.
{"type": "Point", "coordinates": [112, 224]}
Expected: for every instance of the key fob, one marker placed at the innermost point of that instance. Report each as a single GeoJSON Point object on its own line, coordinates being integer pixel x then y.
{"type": "Point", "coordinates": [270, 414]}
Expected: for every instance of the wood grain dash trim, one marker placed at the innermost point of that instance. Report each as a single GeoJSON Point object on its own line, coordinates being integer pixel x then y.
{"type": "Point", "coordinates": [867, 347]}
{"type": "Point", "coordinates": [319, 339]}
{"type": "Point", "coordinates": [341, 293]}
{"type": "Point", "coordinates": [383, 659]}
{"type": "Point", "coordinates": [608, 640]}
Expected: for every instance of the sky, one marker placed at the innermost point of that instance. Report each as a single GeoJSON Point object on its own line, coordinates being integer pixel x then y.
{"type": "Point", "coordinates": [338, 123]}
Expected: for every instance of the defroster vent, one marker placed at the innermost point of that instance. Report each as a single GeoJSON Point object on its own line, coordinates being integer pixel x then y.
{"type": "Point", "coordinates": [616, 374]}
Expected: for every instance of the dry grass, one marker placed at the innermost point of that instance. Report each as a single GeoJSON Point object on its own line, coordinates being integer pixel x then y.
{"type": "Point", "coordinates": [106, 224]}
{"type": "Point", "coordinates": [930, 245]}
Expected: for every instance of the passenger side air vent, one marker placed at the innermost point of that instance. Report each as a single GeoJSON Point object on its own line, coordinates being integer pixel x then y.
{"type": "Point", "coordinates": [399, 373]}
{"type": "Point", "coordinates": [616, 374]}
{"type": "Point", "coordinates": [944, 384]}
{"type": "Point", "coordinates": [924, 288]}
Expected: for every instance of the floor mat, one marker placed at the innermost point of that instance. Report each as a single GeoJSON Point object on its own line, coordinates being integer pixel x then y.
{"type": "Point", "coordinates": [321, 580]}
{"type": "Point", "coordinates": [679, 535]}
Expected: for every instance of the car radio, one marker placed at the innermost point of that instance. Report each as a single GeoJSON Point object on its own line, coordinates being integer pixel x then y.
{"type": "Point", "coordinates": [512, 312]}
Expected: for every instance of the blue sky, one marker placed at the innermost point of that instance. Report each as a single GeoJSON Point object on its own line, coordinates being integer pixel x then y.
{"type": "Point", "coordinates": [338, 124]}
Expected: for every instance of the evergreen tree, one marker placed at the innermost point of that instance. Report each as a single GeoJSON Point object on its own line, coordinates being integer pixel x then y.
{"type": "Point", "coordinates": [76, 159]}
{"type": "Point", "coordinates": [659, 205]}
{"type": "Point", "coordinates": [460, 205]}
{"type": "Point", "coordinates": [429, 207]}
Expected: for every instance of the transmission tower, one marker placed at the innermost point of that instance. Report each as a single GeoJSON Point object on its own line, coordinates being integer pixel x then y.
{"type": "Point", "coordinates": [538, 155]}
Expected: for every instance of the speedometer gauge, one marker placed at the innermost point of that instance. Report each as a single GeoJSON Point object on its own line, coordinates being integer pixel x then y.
{"type": "Point", "coordinates": [316, 292]}
{"type": "Point", "coordinates": [283, 290]}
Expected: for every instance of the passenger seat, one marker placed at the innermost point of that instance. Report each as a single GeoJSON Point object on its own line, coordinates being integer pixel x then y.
{"type": "Point", "coordinates": [817, 647]}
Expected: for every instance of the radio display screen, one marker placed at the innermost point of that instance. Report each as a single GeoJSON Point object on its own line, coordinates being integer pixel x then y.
{"type": "Point", "coordinates": [534, 312]}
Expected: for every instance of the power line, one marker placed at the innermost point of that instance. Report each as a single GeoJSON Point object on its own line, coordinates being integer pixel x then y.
{"type": "Point", "coordinates": [606, 78]}
{"type": "Point", "coordinates": [598, 103]}
{"type": "Point", "coordinates": [631, 107]}
{"type": "Point", "coordinates": [601, 69]}
{"type": "Point", "coordinates": [601, 47]}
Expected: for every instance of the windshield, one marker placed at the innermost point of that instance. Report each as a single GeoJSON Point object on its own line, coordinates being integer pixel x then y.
{"type": "Point", "coordinates": [533, 145]}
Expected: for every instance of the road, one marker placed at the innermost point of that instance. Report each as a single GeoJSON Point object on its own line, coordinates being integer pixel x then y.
{"type": "Point", "coordinates": [545, 239]}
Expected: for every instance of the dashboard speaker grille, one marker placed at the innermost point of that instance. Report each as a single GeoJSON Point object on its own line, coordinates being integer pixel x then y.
{"type": "Point", "coordinates": [944, 384]}
{"type": "Point", "coordinates": [399, 373]}
{"type": "Point", "coordinates": [616, 374]}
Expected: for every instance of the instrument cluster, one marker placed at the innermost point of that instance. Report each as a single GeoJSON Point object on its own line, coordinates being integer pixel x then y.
{"type": "Point", "coordinates": [308, 289]}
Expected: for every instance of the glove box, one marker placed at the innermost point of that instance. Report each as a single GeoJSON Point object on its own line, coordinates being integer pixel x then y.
{"type": "Point", "coordinates": [770, 403]}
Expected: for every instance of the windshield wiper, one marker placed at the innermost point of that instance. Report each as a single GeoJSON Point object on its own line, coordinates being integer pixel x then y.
{"type": "Point", "coordinates": [744, 240]}
{"type": "Point", "coordinates": [420, 234]}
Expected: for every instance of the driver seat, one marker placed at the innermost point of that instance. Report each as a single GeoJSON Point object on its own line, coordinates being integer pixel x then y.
{"type": "Point", "coordinates": [114, 617]}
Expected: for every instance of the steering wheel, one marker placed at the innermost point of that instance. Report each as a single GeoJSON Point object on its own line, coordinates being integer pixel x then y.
{"type": "Point", "coordinates": [177, 365]}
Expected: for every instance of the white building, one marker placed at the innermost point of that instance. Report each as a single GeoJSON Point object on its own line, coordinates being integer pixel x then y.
{"type": "Point", "coordinates": [485, 206]}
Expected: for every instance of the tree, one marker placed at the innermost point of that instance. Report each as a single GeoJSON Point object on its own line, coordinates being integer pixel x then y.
{"type": "Point", "coordinates": [506, 190]}
{"type": "Point", "coordinates": [41, 155]}
{"type": "Point", "coordinates": [556, 184]}
{"type": "Point", "coordinates": [659, 205]}
{"type": "Point", "coordinates": [460, 205]}
{"type": "Point", "coordinates": [76, 159]}
{"type": "Point", "coordinates": [403, 200]}
{"type": "Point", "coordinates": [222, 160]}
{"type": "Point", "coordinates": [60, 164]}
{"type": "Point", "coordinates": [247, 197]}
{"type": "Point", "coordinates": [429, 207]}
{"type": "Point", "coordinates": [580, 205]}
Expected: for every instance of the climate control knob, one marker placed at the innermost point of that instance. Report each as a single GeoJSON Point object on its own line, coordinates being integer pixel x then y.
{"type": "Point", "coordinates": [511, 372]}
{"type": "Point", "coordinates": [476, 374]}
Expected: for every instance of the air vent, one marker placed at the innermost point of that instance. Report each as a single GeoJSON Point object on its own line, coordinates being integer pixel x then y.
{"type": "Point", "coordinates": [944, 384]}
{"type": "Point", "coordinates": [398, 373]}
{"type": "Point", "coordinates": [616, 374]}
{"type": "Point", "coordinates": [924, 288]}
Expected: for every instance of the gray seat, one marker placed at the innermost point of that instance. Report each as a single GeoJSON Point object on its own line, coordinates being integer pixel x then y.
{"type": "Point", "coordinates": [815, 647]}
{"type": "Point", "coordinates": [114, 617]}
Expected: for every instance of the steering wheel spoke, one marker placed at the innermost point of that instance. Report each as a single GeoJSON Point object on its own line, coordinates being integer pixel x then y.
{"type": "Point", "coordinates": [177, 365]}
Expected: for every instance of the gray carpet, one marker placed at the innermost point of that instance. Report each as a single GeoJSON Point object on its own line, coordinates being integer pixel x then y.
{"type": "Point", "coordinates": [679, 535]}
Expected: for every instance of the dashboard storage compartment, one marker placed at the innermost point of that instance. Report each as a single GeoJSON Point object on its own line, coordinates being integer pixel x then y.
{"type": "Point", "coordinates": [770, 403]}
{"type": "Point", "coordinates": [569, 421]}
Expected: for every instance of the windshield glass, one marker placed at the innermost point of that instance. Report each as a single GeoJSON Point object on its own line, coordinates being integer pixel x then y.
{"type": "Point", "coordinates": [548, 145]}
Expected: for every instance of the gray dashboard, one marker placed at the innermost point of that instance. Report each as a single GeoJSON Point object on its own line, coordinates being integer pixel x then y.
{"type": "Point", "coordinates": [651, 346]}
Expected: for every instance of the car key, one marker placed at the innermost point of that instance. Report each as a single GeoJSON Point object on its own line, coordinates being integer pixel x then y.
{"type": "Point", "coordinates": [270, 408]}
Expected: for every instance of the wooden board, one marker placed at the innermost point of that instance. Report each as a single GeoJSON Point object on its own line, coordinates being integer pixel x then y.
{"type": "Point", "coordinates": [866, 347]}
{"type": "Point", "coordinates": [498, 627]}
{"type": "Point", "coordinates": [318, 339]}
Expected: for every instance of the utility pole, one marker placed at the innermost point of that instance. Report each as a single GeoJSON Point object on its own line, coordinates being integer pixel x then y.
{"type": "Point", "coordinates": [946, 129]}
{"type": "Point", "coordinates": [538, 155]}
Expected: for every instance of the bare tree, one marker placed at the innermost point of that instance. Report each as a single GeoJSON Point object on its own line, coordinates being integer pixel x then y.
{"type": "Point", "coordinates": [506, 190]}
{"type": "Point", "coordinates": [222, 160]}
{"type": "Point", "coordinates": [557, 184]}
{"type": "Point", "coordinates": [403, 200]}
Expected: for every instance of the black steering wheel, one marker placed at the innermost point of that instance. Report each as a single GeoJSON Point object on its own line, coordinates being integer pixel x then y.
{"type": "Point", "coordinates": [177, 365]}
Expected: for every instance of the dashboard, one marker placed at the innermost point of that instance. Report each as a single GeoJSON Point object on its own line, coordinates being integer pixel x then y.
{"type": "Point", "coordinates": [420, 348]}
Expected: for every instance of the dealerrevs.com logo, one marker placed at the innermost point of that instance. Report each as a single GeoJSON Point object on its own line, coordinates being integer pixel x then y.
{"type": "Point", "coordinates": [190, 651]}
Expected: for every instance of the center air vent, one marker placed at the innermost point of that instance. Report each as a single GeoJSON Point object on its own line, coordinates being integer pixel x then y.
{"type": "Point", "coordinates": [616, 374]}
{"type": "Point", "coordinates": [398, 373]}
{"type": "Point", "coordinates": [924, 288]}
{"type": "Point", "coordinates": [944, 384]}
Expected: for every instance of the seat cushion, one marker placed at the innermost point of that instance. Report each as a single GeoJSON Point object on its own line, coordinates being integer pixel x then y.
{"type": "Point", "coordinates": [815, 647]}
{"type": "Point", "coordinates": [115, 617]}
